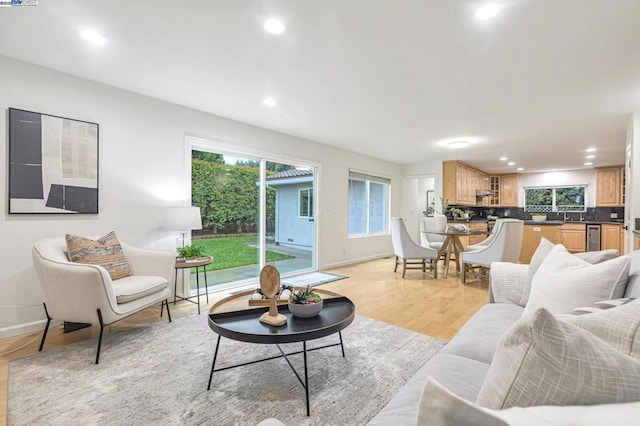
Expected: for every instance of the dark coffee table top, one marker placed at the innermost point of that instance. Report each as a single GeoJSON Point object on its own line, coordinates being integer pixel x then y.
{"type": "Point", "coordinates": [234, 319]}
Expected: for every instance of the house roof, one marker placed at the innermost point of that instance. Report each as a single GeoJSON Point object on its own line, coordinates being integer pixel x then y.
{"type": "Point", "coordinates": [290, 174]}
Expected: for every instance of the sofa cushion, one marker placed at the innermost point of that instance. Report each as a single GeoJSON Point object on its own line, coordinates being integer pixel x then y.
{"type": "Point", "coordinates": [543, 250]}
{"type": "Point", "coordinates": [619, 326]}
{"type": "Point", "coordinates": [479, 337]}
{"type": "Point", "coordinates": [137, 286]}
{"type": "Point", "coordinates": [564, 282]}
{"type": "Point", "coordinates": [544, 361]}
{"type": "Point", "coordinates": [106, 252]}
{"type": "Point", "coordinates": [459, 375]}
{"type": "Point", "coordinates": [633, 285]}
{"type": "Point", "coordinates": [597, 307]}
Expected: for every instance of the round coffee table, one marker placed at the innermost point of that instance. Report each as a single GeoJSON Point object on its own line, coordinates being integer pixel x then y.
{"type": "Point", "coordinates": [234, 319]}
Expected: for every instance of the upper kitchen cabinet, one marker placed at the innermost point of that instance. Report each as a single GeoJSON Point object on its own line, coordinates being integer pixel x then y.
{"type": "Point", "coordinates": [509, 190]}
{"type": "Point", "coordinates": [460, 184]}
{"type": "Point", "coordinates": [610, 186]}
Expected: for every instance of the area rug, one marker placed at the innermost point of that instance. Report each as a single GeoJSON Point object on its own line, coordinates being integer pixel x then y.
{"type": "Point", "coordinates": [157, 374]}
{"type": "Point", "coordinates": [312, 279]}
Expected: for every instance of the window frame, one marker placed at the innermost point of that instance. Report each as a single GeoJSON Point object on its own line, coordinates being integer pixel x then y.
{"type": "Point", "coordinates": [554, 199]}
{"type": "Point", "coordinates": [368, 179]}
{"type": "Point", "coordinates": [309, 203]}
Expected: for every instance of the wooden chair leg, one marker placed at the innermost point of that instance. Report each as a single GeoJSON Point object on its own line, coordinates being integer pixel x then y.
{"type": "Point", "coordinates": [434, 264]}
{"type": "Point", "coordinates": [396, 266]}
{"type": "Point", "coordinates": [404, 267]}
{"type": "Point", "coordinates": [463, 276]}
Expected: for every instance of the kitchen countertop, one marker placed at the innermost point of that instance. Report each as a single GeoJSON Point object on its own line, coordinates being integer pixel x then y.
{"type": "Point", "coordinates": [545, 223]}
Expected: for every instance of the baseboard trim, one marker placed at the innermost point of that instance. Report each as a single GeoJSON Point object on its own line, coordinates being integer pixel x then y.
{"type": "Point", "coordinates": [357, 260]}
{"type": "Point", "coordinates": [16, 330]}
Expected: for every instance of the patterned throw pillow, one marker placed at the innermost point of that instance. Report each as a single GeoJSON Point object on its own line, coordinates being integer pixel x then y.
{"type": "Point", "coordinates": [106, 252]}
{"type": "Point", "coordinates": [541, 360]}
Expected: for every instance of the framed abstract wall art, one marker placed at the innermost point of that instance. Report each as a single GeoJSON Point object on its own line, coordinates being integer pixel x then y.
{"type": "Point", "coordinates": [53, 164]}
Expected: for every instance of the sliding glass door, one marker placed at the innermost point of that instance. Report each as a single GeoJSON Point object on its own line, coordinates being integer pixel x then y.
{"type": "Point", "coordinates": [254, 212]}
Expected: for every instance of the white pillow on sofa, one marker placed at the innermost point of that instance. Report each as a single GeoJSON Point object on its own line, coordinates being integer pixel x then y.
{"type": "Point", "coordinates": [543, 250]}
{"type": "Point", "coordinates": [564, 282]}
{"type": "Point", "coordinates": [439, 407]}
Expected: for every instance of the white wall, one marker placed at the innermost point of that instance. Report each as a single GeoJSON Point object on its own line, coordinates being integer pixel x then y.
{"type": "Point", "coordinates": [632, 200]}
{"type": "Point", "coordinates": [572, 177]}
{"type": "Point", "coordinates": [142, 171]}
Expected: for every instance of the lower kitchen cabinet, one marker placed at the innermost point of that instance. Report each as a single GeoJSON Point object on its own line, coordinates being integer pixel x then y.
{"type": "Point", "coordinates": [573, 236]}
{"type": "Point", "coordinates": [611, 237]}
{"type": "Point", "coordinates": [531, 237]}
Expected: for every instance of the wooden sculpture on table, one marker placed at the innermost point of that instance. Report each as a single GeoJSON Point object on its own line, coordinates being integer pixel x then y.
{"type": "Point", "coordinates": [270, 284]}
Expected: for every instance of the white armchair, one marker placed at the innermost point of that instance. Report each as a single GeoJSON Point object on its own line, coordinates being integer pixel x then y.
{"type": "Point", "coordinates": [428, 225]}
{"type": "Point", "coordinates": [84, 293]}
{"type": "Point", "coordinates": [503, 246]}
{"type": "Point", "coordinates": [411, 253]}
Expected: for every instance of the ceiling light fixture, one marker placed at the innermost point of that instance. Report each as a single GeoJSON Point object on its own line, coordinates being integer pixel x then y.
{"type": "Point", "coordinates": [91, 36]}
{"type": "Point", "coordinates": [457, 144]}
{"type": "Point", "coordinates": [511, 163]}
{"type": "Point", "coordinates": [520, 169]}
{"type": "Point", "coordinates": [487, 11]}
{"type": "Point", "coordinates": [590, 150]}
{"type": "Point", "coordinates": [589, 163]}
{"type": "Point", "coordinates": [590, 156]}
{"type": "Point", "coordinates": [503, 158]}
{"type": "Point", "coordinates": [270, 102]}
{"type": "Point", "coordinates": [274, 26]}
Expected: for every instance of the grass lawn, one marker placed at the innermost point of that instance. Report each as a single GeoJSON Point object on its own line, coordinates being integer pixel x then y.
{"type": "Point", "coordinates": [229, 252]}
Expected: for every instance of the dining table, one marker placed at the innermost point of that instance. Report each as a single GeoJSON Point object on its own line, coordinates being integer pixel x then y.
{"type": "Point", "coordinates": [453, 245]}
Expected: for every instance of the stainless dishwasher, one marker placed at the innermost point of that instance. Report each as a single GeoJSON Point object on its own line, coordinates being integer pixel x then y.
{"type": "Point", "coordinates": [593, 237]}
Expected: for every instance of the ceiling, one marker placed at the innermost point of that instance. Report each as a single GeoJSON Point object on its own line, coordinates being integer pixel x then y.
{"type": "Point", "coordinates": [539, 83]}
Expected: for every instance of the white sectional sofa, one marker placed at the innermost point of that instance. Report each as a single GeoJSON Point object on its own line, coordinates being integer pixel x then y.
{"type": "Point", "coordinates": [462, 365]}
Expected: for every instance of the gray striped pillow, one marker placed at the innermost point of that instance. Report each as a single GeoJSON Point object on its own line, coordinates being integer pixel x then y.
{"type": "Point", "coordinates": [106, 252]}
{"type": "Point", "coordinates": [597, 307]}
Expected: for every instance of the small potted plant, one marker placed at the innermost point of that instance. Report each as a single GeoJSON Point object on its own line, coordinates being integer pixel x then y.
{"type": "Point", "coordinates": [538, 217]}
{"type": "Point", "coordinates": [305, 303]}
{"type": "Point", "coordinates": [190, 252]}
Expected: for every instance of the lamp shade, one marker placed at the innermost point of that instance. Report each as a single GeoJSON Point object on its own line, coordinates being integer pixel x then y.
{"type": "Point", "coordinates": [182, 218]}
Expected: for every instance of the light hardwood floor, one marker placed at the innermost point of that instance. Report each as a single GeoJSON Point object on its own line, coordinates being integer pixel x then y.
{"type": "Point", "coordinates": [437, 307]}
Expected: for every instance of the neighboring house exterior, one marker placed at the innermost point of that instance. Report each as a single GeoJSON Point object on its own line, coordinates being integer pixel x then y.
{"type": "Point", "coordinates": [294, 218]}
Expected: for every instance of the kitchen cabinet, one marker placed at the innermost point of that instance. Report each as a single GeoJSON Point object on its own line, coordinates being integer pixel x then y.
{"type": "Point", "coordinates": [460, 183]}
{"type": "Point", "coordinates": [509, 190]}
{"type": "Point", "coordinates": [611, 237]}
{"type": "Point", "coordinates": [505, 191]}
{"type": "Point", "coordinates": [477, 226]}
{"type": "Point", "coordinates": [573, 236]}
{"type": "Point", "coordinates": [531, 236]}
{"type": "Point", "coordinates": [610, 186]}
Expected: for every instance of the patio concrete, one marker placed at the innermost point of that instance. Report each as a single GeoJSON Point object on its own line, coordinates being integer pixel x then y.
{"type": "Point", "coordinates": [301, 260]}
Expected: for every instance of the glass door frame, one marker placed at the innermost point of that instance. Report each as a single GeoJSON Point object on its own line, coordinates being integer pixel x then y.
{"type": "Point", "coordinates": [207, 145]}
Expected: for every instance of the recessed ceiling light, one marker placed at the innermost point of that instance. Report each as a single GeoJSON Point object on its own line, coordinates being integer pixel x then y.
{"type": "Point", "coordinates": [520, 169]}
{"type": "Point", "coordinates": [457, 144]}
{"type": "Point", "coordinates": [511, 163]}
{"type": "Point", "coordinates": [590, 150]}
{"type": "Point", "coordinates": [487, 11]}
{"type": "Point", "coordinates": [590, 156]}
{"type": "Point", "coordinates": [503, 158]}
{"type": "Point", "coordinates": [588, 163]}
{"type": "Point", "coordinates": [274, 26]}
{"type": "Point", "coordinates": [270, 102]}
{"type": "Point", "coordinates": [92, 36]}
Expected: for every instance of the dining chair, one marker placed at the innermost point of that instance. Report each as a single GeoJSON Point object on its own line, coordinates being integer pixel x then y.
{"type": "Point", "coordinates": [502, 246]}
{"type": "Point", "coordinates": [409, 253]}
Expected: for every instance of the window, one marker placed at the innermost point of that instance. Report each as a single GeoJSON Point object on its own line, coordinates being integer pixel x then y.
{"type": "Point", "coordinates": [305, 202]}
{"type": "Point", "coordinates": [368, 204]}
{"type": "Point", "coordinates": [555, 199]}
